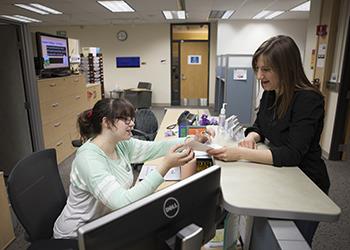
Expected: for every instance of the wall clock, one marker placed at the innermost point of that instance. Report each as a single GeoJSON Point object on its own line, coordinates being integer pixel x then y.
{"type": "Point", "coordinates": [122, 35]}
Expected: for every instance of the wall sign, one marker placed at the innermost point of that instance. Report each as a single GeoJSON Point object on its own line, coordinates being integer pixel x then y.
{"type": "Point", "coordinates": [194, 59]}
{"type": "Point", "coordinates": [239, 74]}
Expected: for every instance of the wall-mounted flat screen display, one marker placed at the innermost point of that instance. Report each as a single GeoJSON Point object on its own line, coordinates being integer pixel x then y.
{"type": "Point", "coordinates": [53, 51]}
{"type": "Point", "coordinates": [128, 62]}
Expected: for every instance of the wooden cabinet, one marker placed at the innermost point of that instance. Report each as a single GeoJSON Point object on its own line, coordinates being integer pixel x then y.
{"type": "Point", "coordinates": [93, 92]}
{"type": "Point", "coordinates": [61, 101]}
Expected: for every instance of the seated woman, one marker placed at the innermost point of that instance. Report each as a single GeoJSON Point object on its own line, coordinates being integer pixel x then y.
{"type": "Point", "coordinates": [101, 176]}
{"type": "Point", "coordinates": [290, 117]}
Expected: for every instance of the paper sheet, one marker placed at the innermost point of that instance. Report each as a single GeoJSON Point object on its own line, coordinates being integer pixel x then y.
{"type": "Point", "coordinates": [174, 174]}
{"type": "Point", "coordinates": [195, 145]}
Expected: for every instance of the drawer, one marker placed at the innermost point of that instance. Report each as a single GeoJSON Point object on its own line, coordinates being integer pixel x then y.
{"type": "Point", "coordinates": [63, 147]}
{"type": "Point", "coordinates": [54, 130]}
{"type": "Point", "coordinates": [50, 89]}
{"type": "Point", "coordinates": [76, 84]}
{"type": "Point", "coordinates": [77, 102]}
{"type": "Point", "coordinates": [72, 123]}
{"type": "Point", "coordinates": [55, 109]}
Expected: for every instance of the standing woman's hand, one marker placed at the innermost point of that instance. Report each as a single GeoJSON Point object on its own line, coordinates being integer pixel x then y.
{"type": "Point", "coordinates": [250, 140]}
{"type": "Point", "coordinates": [226, 153]}
{"type": "Point", "coordinates": [247, 143]}
{"type": "Point", "coordinates": [178, 155]}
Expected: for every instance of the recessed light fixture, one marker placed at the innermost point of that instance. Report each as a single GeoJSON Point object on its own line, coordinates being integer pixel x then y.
{"type": "Point", "coordinates": [22, 19]}
{"type": "Point", "coordinates": [216, 14]}
{"type": "Point", "coordinates": [27, 7]}
{"type": "Point", "coordinates": [274, 14]}
{"type": "Point", "coordinates": [302, 7]}
{"type": "Point", "coordinates": [169, 14]}
{"type": "Point", "coordinates": [262, 14]}
{"type": "Point", "coordinates": [116, 6]}
{"type": "Point", "coordinates": [221, 14]}
{"type": "Point", "coordinates": [38, 8]}
{"type": "Point", "coordinates": [28, 18]}
{"type": "Point", "coordinates": [228, 14]}
{"type": "Point", "coordinates": [47, 9]}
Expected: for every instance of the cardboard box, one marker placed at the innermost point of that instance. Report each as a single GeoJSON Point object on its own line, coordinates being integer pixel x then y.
{"type": "Point", "coordinates": [6, 228]}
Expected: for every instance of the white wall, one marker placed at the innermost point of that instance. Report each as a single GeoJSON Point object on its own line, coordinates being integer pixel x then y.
{"type": "Point", "coordinates": [244, 37]}
{"type": "Point", "coordinates": [149, 41]}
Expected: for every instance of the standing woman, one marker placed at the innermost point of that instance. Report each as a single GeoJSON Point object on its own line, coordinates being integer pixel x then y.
{"type": "Point", "coordinates": [290, 117]}
{"type": "Point", "coordinates": [101, 176]}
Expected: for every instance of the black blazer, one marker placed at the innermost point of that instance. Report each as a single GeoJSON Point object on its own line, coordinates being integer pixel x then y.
{"type": "Point", "coordinates": [294, 139]}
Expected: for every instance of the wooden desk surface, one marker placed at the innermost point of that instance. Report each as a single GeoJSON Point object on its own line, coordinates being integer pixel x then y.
{"type": "Point", "coordinates": [263, 190]}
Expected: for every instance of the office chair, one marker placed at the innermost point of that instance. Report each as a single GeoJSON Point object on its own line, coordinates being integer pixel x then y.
{"type": "Point", "coordinates": [146, 128]}
{"type": "Point", "coordinates": [144, 85]}
{"type": "Point", "coordinates": [37, 197]}
{"type": "Point", "coordinates": [146, 125]}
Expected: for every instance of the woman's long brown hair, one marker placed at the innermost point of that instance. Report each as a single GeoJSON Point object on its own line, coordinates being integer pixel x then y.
{"type": "Point", "coordinates": [282, 54]}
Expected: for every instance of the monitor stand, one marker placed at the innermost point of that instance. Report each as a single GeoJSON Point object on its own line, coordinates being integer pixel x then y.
{"type": "Point", "coordinates": [57, 73]}
{"type": "Point", "coordinates": [61, 73]}
{"type": "Point", "coordinates": [188, 238]}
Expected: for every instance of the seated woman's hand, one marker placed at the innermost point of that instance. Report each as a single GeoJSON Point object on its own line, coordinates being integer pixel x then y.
{"type": "Point", "coordinates": [225, 153]}
{"type": "Point", "coordinates": [247, 143]}
{"type": "Point", "coordinates": [178, 155]}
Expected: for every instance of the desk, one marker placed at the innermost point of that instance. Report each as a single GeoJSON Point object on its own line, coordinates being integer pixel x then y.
{"type": "Point", "coordinates": [263, 190]}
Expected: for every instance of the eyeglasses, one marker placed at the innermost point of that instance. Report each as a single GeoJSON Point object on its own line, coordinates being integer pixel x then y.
{"type": "Point", "coordinates": [126, 120]}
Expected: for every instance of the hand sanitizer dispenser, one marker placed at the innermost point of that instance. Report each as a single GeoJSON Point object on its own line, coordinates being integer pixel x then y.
{"type": "Point", "coordinates": [222, 116]}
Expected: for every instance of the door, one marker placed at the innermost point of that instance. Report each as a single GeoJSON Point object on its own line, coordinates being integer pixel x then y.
{"type": "Point", "coordinates": [194, 72]}
{"type": "Point", "coordinates": [15, 140]}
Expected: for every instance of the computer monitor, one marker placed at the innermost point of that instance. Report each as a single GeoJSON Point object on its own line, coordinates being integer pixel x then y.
{"type": "Point", "coordinates": [184, 214]}
{"type": "Point", "coordinates": [52, 51]}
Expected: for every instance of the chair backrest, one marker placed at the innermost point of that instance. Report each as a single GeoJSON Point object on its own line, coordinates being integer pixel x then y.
{"type": "Point", "coordinates": [36, 193]}
{"type": "Point", "coordinates": [146, 121]}
{"type": "Point", "coordinates": [144, 85]}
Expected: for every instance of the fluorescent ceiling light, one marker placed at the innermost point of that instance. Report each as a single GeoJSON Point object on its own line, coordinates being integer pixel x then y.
{"type": "Point", "coordinates": [262, 14]}
{"type": "Point", "coordinates": [116, 6]}
{"type": "Point", "coordinates": [44, 8]}
{"type": "Point", "coordinates": [302, 7]}
{"type": "Point", "coordinates": [274, 14]}
{"type": "Point", "coordinates": [23, 19]}
{"type": "Point", "coordinates": [27, 7]}
{"type": "Point", "coordinates": [168, 14]}
{"type": "Point", "coordinates": [181, 14]}
{"type": "Point", "coordinates": [216, 14]}
{"type": "Point", "coordinates": [28, 18]}
{"type": "Point", "coordinates": [228, 14]}
{"type": "Point", "coordinates": [15, 18]}
{"type": "Point", "coordinates": [221, 14]}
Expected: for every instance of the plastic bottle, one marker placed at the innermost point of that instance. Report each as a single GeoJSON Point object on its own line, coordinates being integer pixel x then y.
{"type": "Point", "coordinates": [222, 116]}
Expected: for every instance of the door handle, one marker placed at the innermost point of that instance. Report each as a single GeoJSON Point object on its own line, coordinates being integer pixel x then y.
{"type": "Point", "coordinates": [183, 77]}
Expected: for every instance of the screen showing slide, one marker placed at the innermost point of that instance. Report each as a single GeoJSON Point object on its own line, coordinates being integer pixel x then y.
{"type": "Point", "coordinates": [54, 52]}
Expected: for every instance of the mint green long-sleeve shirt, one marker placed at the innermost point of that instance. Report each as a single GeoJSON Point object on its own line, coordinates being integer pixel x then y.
{"type": "Point", "coordinates": [100, 184]}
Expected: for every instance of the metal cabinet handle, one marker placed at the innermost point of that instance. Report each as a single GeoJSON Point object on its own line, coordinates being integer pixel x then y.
{"type": "Point", "coordinates": [59, 144]}
{"type": "Point", "coordinates": [55, 105]}
{"type": "Point", "coordinates": [57, 124]}
{"type": "Point", "coordinates": [77, 97]}
{"type": "Point", "coordinates": [52, 84]}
